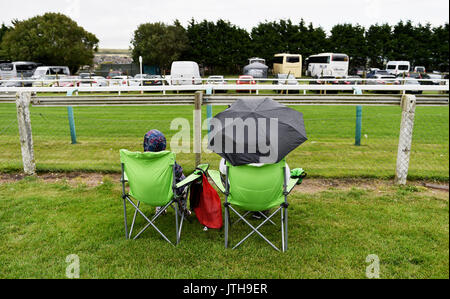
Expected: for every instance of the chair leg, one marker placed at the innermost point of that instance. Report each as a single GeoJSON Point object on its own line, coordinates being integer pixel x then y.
{"type": "Point", "coordinates": [134, 219]}
{"type": "Point", "coordinates": [176, 221]}
{"type": "Point", "coordinates": [239, 219]}
{"type": "Point", "coordinates": [181, 227]}
{"type": "Point", "coordinates": [159, 213]}
{"type": "Point", "coordinates": [150, 222]}
{"type": "Point", "coordinates": [226, 226]}
{"type": "Point", "coordinates": [125, 217]}
{"type": "Point", "coordinates": [286, 228]}
{"type": "Point", "coordinates": [283, 244]}
{"type": "Point", "coordinates": [264, 216]}
{"type": "Point", "coordinates": [255, 230]}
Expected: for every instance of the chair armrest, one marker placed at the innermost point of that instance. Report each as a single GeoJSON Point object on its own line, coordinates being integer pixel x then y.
{"type": "Point", "coordinates": [297, 176]}
{"type": "Point", "coordinates": [189, 179]}
{"type": "Point", "coordinates": [291, 184]}
{"type": "Point", "coordinates": [215, 176]}
{"type": "Point", "coordinates": [202, 168]}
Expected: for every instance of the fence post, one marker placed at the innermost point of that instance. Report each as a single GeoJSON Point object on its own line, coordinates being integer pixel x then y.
{"type": "Point", "coordinates": [198, 127]}
{"type": "Point", "coordinates": [358, 125]}
{"type": "Point", "coordinates": [73, 133]}
{"type": "Point", "coordinates": [26, 138]}
{"type": "Point", "coordinates": [408, 105]}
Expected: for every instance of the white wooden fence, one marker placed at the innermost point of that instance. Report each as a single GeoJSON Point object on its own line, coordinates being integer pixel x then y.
{"type": "Point", "coordinates": [27, 96]}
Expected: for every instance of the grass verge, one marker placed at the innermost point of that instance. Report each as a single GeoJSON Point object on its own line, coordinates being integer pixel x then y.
{"type": "Point", "coordinates": [331, 233]}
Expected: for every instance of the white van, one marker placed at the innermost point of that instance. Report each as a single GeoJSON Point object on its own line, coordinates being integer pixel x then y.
{"type": "Point", "coordinates": [17, 69]}
{"type": "Point", "coordinates": [398, 67]}
{"type": "Point", "coordinates": [185, 73]}
{"type": "Point", "coordinates": [50, 70]}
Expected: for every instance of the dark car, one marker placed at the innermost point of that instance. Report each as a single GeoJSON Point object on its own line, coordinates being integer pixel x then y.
{"type": "Point", "coordinates": [86, 78]}
{"type": "Point", "coordinates": [153, 80]}
{"type": "Point", "coordinates": [358, 71]}
{"type": "Point", "coordinates": [373, 73]}
{"type": "Point", "coordinates": [419, 76]}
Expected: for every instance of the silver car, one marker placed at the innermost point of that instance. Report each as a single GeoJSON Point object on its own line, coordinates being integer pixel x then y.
{"type": "Point", "coordinates": [285, 79]}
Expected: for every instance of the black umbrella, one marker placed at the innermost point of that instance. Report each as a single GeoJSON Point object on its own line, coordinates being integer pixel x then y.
{"type": "Point", "coordinates": [256, 131]}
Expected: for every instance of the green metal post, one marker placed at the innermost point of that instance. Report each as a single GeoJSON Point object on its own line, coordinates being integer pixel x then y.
{"type": "Point", "coordinates": [73, 133]}
{"type": "Point", "coordinates": [358, 125]}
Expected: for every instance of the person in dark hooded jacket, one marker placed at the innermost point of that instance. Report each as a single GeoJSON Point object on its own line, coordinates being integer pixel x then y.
{"type": "Point", "coordinates": [155, 141]}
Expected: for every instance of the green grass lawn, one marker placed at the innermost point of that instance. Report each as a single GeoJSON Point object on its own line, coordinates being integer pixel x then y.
{"type": "Point", "coordinates": [330, 235]}
{"type": "Point", "coordinates": [329, 152]}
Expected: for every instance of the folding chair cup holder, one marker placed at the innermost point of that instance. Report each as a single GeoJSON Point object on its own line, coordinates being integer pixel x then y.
{"type": "Point", "coordinates": [150, 177]}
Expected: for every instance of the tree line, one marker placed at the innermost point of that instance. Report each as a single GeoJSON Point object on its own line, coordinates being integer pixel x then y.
{"type": "Point", "coordinates": [222, 47]}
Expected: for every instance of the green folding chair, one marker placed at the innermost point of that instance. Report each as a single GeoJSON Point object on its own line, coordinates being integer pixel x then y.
{"type": "Point", "coordinates": [256, 189]}
{"type": "Point", "coordinates": [151, 180]}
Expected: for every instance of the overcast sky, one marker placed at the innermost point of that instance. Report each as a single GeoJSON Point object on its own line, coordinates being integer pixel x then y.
{"type": "Point", "coordinates": [114, 21]}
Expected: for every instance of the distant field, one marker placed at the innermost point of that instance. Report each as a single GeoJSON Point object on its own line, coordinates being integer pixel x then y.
{"type": "Point", "coordinates": [329, 152]}
{"type": "Point", "coordinates": [114, 51]}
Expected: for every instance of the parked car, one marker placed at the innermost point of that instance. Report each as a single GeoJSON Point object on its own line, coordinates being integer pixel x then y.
{"type": "Point", "coordinates": [359, 71]}
{"type": "Point", "coordinates": [154, 80]}
{"type": "Point", "coordinates": [398, 67]}
{"type": "Point", "coordinates": [185, 73]}
{"type": "Point", "coordinates": [70, 81]}
{"type": "Point", "coordinates": [146, 80]}
{"type": "Point", "coordinates": [49, 81]}
{"type": "Point", "coordinates": [18, 69]}
{"type": "Point", "coordinates": [113, 74]}
{"type": "Point", "coordinates": [436, 78]}
{"type": "Point", "coordinates": [86, 77]}
{"type": "Point", "coordinates": [373, 72]}
{"type": "Point", "coordinates": [139, 79]}
{"type": "Point", "coordinates": [122, 81]}
{"type": "Point", "coordinates": [420, 69]}
{"type": "Point", "coordinates": [419, 76]}
{"type": "Point", "coordinates": [384, 80]}
{"type": "Point", "coordinates": [326, 80]}
{"type": "Point", "coordinates": [245, 79]}
{"type": "Point", "coordinates": [412, 82]}
{"type": "Point", "coordinates": [50, 71]}
{"type": "Point", "coordinates": [285, 79]}
{"type": "Point", "coordinates": [217, 80]}
{"type": "Point", "coordinates": [94, 81]}
{"type": "Point", "coordinates": [16, 82]}
{"type": "Point", "coordinates": [351, 80]}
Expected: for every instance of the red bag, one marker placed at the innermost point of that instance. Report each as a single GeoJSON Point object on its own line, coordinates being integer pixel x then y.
{"type": "Point", "coordinates": [206, 204]}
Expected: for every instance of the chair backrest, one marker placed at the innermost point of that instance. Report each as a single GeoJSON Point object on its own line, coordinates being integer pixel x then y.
{"type": "Point", "coordinates": [256, 188]}
{"type": "Point", "coordinates": [150, 175]}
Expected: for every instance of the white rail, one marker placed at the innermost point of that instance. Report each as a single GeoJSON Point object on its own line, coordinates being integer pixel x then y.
{"type": "Point", "coordinates": [236, 87]}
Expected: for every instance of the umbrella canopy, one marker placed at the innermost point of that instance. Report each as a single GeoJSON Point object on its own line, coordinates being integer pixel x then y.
{"type": "Point", "coordinates": [256, 131]}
